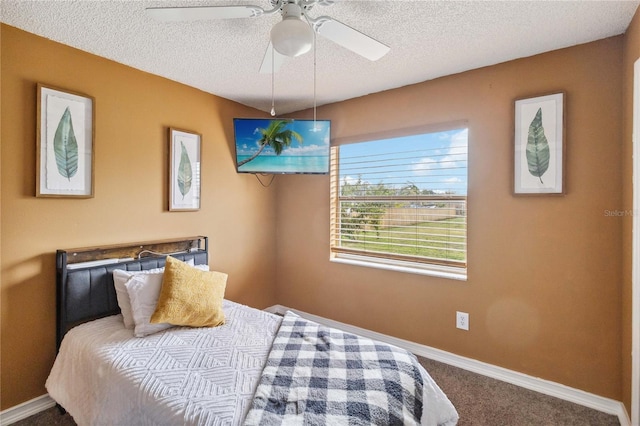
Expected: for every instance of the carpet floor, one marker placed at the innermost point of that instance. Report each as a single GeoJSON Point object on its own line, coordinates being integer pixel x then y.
{"type": "Point", "coordinates": [480, 401]}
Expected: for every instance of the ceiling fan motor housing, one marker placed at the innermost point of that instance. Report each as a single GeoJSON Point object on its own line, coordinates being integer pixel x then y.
{"type": "Point", "coordinates": [292, 36]}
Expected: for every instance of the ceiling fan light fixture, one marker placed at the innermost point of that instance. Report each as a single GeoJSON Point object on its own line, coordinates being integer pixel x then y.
{"type": "Point", "coordinates": [292, 36]}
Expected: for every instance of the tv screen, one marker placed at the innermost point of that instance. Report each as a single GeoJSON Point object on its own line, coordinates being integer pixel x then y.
{"type": "Point", "coordinates": [282, 146]}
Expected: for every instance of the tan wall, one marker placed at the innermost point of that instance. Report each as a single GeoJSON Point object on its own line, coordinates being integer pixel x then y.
{"type": "Point", "coordinates": [133, 110]}
{"type": "Point", "coordinates": [631, 53]}
{"type": "Point", "coordinates": [544, 284]}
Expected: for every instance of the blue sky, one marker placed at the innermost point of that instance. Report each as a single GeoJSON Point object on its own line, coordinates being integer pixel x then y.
{"type": "Point", "coordinates": [314, 142]}
{"type": "Point", "coordinates": [438, 161]}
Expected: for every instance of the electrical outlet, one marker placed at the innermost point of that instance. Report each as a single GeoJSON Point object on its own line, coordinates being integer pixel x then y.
{"type": "Point", "coordinates": [462, 320]}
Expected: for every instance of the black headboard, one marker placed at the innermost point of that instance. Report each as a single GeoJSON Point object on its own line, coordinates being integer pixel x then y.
{"type": "Point", "coordinates": [84, 277]}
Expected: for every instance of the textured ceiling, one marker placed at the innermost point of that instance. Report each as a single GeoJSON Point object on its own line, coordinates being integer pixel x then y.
{"type": "Point", "coordinates": [428, 39]}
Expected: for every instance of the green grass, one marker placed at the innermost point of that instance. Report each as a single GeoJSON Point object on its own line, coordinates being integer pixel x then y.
{"type": "Point", "coordinates": [445, 239]}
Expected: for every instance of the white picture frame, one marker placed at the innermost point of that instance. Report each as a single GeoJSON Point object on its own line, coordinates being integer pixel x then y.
{"type": "Point", "coordinates": [184, 170]}
{"type": "Point", "coordinates": [64, 143]}
{"type": "Point", "coordinates": [539, 145]}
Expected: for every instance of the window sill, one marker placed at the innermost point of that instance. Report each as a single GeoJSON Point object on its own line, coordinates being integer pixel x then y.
{"type": "Point", "coordinates": [448, 272]}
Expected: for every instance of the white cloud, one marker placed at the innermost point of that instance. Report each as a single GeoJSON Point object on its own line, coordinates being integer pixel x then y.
{"type": "Point", "coordinates": [452, 180]}
{"type": "Point", "coordinates": [459, 142]}
{"type": "Point", "coordinates": [452, 156]}
{"type": "Point", "coordinates": [305, 150]}
{"type": "Point", "coordinates": [350, 180]}
{"type": "Point", "coordinates": [423, 166]}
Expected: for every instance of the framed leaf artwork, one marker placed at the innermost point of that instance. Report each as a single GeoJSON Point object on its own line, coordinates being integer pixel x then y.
{"type": "Point", "coordinates": [184, 170]}
{"type": "Point", "coordinates": [539, 147]}
{"type": "Point", "coordinates": [65, 143]}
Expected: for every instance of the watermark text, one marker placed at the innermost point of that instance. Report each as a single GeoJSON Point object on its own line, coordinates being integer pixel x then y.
{"type": "Point", "coordinates": [620, 213]}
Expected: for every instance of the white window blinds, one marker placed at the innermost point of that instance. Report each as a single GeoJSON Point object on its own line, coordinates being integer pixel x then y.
{"type": "Point", "coordinates": [401, 199]}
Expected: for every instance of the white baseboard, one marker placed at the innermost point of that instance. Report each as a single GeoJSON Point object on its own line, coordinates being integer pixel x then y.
{"type": "Point", "coordinates": [26, 409]}
{"type": "Point", "coordinates": [546, 387]}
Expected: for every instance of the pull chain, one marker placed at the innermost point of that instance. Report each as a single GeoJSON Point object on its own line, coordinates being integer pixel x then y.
{"type": "Point", "coordinates": [273, 107]}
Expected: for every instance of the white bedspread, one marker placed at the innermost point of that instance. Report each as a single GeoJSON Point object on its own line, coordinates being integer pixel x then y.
{"type": "Point", "coordinates": [103, 375]}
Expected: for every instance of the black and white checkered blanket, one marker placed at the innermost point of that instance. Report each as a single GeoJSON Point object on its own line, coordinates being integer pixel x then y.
{"type": "Point", "coordinates": [317, 375]}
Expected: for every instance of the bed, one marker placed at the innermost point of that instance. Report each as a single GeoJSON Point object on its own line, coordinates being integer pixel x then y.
{"type": "Point", "coordinates": [255, 368]}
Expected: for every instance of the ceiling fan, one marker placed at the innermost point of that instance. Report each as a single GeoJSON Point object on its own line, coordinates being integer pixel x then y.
{"type": "Point", "coordinates": [291, 37]}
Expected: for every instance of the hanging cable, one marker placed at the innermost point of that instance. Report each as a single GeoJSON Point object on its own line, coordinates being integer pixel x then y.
{"type": "Point", "coordinates": [314, 81]}
{"type": "Point", "coordinates": [273, 107]}
{"type": "Point", "coordinates": [314, 70]}
{"type": "Point", "coordinates": [262, 183]}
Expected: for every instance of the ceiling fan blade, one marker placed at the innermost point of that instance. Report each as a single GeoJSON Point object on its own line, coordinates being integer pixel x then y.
{"type": "Point", "coordinates": [278, 60]}
{"type": "Point", "coordinates": [203, 12]}
{"type": "Point", "coordinates": [350, 38]}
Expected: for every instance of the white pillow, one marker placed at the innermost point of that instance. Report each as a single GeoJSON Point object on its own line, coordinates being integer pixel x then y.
{"type": "Point", "coordinates": [143, 291]}
{"type": "Point", "coordinates": [120, 277]}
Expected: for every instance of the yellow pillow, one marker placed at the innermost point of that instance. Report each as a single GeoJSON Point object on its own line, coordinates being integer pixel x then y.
{"type": "Point", "coordinates": [189, 296]}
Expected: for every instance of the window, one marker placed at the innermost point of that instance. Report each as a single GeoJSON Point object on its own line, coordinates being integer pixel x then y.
{"type": "Point", "coordinates": [401, 203]}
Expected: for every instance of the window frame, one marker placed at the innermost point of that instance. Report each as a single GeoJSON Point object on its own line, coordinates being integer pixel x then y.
{"type": "Point", "coordinates": [400, 263]}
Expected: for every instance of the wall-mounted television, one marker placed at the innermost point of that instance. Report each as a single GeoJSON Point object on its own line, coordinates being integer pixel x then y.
{"type": "Point", "coordinates": [282, 146]}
